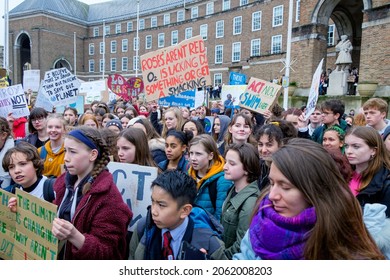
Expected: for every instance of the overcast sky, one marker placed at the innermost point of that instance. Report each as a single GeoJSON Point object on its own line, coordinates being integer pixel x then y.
{"type": "Point", "coordinates": [13, 3]}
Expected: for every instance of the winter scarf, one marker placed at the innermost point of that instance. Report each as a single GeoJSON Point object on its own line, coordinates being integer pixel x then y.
{"type": "Point", "coordinates": [274, 237]}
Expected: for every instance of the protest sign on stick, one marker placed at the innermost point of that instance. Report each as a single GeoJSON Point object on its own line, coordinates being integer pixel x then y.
{"type": "Point", "coordinates": [259, 95]}
{"type": "Point", "coordinates": [314, 91]}
{"type": "Point", "coordinates": [33, 237]}
{"type": "Point", "coordinates": [61, 86]}
{"type": "Point", "coordinates": [31, 79]}
{"type": "Point", "coordinates": [175, 69]}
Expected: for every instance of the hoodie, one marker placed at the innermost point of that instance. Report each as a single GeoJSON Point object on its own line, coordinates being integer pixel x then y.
{"type": "Point", "coordinates": [52, 162]}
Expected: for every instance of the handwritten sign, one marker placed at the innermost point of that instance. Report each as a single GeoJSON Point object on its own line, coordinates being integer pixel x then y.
{"type": "Point", "coordinates": [13, 99]}
{"type": "Point", "coordinates": [33, 237]}
{"type": "Point", "coordinates": [118, 85]}
{"type": "Point", "coordinates": [136, 86]}
{"type": "Point", "coordinates": [175, 69]}
{"type": "Point", "coordinates": [314, 91]}
{"type": "Point", "coordinates": [61, 86]}
{"type": "Point", "coordinates": [134, 182]}
{"type": "Point", "coordinates": [259, 95]}
{"type": "Point", "coordinates": [78, 105]}
{"type": "Point", "coordinates": [31, 79]}
{"type": "Point", "coordinates": [7, 226]}
{"type": "Point", "coordinates": [184, 99]}
{"type": "Point", "coordinates": [235, 91]}
{"type": "Point", "coordinates": [237, 78]}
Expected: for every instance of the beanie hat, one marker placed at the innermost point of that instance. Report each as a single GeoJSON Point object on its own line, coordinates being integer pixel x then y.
{"type": "Point", "coordinates": [386, 133]}
{"type": "Point", "coordinates": [116, 123]}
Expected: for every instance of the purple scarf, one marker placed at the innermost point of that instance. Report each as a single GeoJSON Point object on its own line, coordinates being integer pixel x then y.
{"type": "Point", "coordinates": [274, 237]}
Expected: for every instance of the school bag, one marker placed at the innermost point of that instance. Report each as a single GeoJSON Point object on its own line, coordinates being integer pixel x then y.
{"type": "Point", "coordinates": [48, 190]}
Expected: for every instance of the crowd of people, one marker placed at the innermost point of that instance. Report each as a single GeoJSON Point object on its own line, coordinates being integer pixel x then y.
{"type": "Point", "coordinates": [278, 185]}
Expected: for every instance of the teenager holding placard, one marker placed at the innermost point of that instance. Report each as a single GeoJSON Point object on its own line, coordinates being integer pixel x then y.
{"type": "Point", "coordinates": [52, 153]}
{"type": "Point", "coordinates": [92, 216]}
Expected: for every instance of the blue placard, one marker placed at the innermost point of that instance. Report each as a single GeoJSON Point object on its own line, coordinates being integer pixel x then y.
{"type": "Point", "coordinates": [237, 78]}
{"type": "Point", "coordinates": [183, 99]}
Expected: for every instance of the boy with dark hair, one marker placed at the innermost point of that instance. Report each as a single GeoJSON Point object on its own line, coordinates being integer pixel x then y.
{"type": "Point", "coordinates": [332, 112]}
{"type": "Point", "coordinates": [173, 221]}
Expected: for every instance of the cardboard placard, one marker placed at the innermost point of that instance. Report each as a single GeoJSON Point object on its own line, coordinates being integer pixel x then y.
{"type": "Point", "coordinates": [175, 69]}
{"type": "Point", "coordinates": [259, 95]}
{"type": "Point", "coordinates": [13, 99]}
{"type": "Point", "coordinates": [134, 182]}
{"type": "Point", "coordinates": [7, 226]}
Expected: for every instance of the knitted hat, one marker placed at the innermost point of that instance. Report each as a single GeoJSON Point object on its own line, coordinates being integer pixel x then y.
{"type": "Point", "coordinates": [386, 133]}
{"type": "Point", "coordinates": [115, 122]}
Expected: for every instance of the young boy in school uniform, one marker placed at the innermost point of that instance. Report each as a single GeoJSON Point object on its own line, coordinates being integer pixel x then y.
{"type": "Point", "coordinates": [172, 221]}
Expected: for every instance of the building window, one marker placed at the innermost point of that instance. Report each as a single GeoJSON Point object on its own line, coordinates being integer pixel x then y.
{"type": "Point", "coordinates": [225, 5]}
{"type": "Point", "coordinates": [113, 46]}
{"type": "Point", "coordinates": [101, 48]}
{"type": "Point", "coordinates": [256, 21]}
{"type": "Point", "coordinates": [203, 31]}
{"type": "Point", "coordinates": [217, 79]}
{"type": "Point", "coordinates": [219, 29]}
{"type": "Point", "coordinates": [188, 33]}
{"type": "Point", "coordinates": [95, 31]}
{"type": "Point", "coordinates": [125, 64]}
{"type": "Point", "coordinates": [129, 26]}
{"type": "Point", "coordinates": [298, 11]}
{"type": "Point", "coordinates": [135, 63]}
{"type": "Point", "coordinates": [276, 44]}
{"type": "Point", "coordinates": [91, 67]}
{"type": "Point", "coordinates": [174, 37]}
{"type": "Point", "coordinates": [113, 64]}
{"type": "Point", "coordinates": [194, 12]}
{"type": "Point", "coordinates": [101, 65]}
{"type": "Point", "coordinates": [106, 30]}
{"type": "Point", "coordinates": [237, 25]}
{"type": "Point", "coordinates": [218, 54]}
{"type": "Point", "coordinates": [243, 2]}
{"type": "Point", "coordinates": [141, 24]}
{"type": "Point", "coordinates": [210, 8]}
{"type": "Point", "coordinates": [161, 40]}
{"type": "Point", "coordinates": [125, 45]}
{"type": "Point", "coordinates": [236, 52]}
{"type": "Point", "coordinates": [167, 19]}
{"type": "Point", "coordinates": [277, 18]}
{"type": "Point", "coordinates": [153, 22]}
{"type": "Point", "coordinates": [255, 47]}
{"type": "Point", "coordinates": [148, 42]}
{"type": "Point", "coordinates": [331, 35]}
{"type": "Point", "coordinates": [118, 28]}
{"type": "Point", "coordinates": [180, 15]}
{"type": "Point", "coordinates": [135, 44]}
{"type": "Point", "coordinates": [91, 49]}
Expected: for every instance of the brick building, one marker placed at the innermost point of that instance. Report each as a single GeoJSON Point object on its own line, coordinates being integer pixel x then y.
{"type": "Point", "coordinates": [241, 35]}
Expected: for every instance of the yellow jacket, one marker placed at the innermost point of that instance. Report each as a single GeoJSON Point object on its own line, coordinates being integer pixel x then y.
{"type": "Point", "coordinates": [52, 162]}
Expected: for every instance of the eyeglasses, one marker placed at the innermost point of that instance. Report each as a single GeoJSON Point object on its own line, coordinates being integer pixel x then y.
{"type": "Point", "coordinates": [326, 113]}
{"type": "Point", "coordinates": [37, 119]}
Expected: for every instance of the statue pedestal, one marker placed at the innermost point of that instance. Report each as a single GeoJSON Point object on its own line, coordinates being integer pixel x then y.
{"type": "Point", "coordinates": [338, 83]}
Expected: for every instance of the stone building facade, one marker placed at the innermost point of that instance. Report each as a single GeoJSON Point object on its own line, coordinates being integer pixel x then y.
{"type": "Point", "coordinates": [247, 36]}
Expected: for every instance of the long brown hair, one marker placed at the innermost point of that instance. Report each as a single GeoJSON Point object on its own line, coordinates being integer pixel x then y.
{"type": "Point", "coordinates": [372, 138]}
{"type": "Point", "coordinates": [339, 232]}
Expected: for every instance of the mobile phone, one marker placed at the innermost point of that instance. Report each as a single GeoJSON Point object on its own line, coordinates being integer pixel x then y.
{"type": "Point", "coordinates": [190, 252]}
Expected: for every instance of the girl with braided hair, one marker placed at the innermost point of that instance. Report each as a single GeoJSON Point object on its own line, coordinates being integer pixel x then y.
{"type": "Point", "coordinates": [92, 217]}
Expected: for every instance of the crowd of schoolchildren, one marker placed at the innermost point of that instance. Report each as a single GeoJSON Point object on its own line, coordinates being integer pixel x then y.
{"type": "Point", "coordinates": [278, 185]}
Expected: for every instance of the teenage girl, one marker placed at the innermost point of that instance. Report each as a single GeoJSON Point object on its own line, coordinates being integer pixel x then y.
{"type": "Point", "coordinates": [92, 217]}
{"type": "Point", "coordinates": [242, 167]}
{"type": "Point", "coordinates": [207, 169]}
{"type": "Point", "coordinates": [52, 153]}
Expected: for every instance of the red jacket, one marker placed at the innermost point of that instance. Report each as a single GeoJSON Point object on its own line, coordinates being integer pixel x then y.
{"type": "Point", "coordinates": [102, 217]}
{"type": "Point", "coordinates": [19, 128]}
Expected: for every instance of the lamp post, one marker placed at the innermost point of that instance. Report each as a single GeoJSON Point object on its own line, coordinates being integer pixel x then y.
{"type": "Point", "coordinates": [288, 54]}
{"type": "Point", "coordinates": [6, 38]}
{"type": "Point", "coordinates": [104, 48]}
{"type": "Point", "coordinates": [137, 41]}
{"type": "Point", "coordinates": [74, 53]}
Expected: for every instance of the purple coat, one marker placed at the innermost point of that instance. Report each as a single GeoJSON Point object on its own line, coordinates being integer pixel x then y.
{"type": "Point", "coordinates": [102, 217]}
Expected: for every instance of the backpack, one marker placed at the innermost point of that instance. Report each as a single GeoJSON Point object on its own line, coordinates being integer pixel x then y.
{"type": "Point", "coordinates": [43, 153]}
{"type": "Point", "coordinates": [48, 191]}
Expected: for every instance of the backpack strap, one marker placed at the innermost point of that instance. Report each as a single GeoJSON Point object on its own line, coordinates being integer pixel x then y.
{"type": "Point", "coordinates": [43, 153]}
{"type": "Point", "coordinates": [48, 192]}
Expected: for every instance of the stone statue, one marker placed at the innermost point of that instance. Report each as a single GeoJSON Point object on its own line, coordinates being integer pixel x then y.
{"type": "Point", "coordinates": [344, 60]}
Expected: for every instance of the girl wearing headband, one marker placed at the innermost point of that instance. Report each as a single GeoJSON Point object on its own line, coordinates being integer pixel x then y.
{"type": "Point", "coordinates": [92, 217]}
